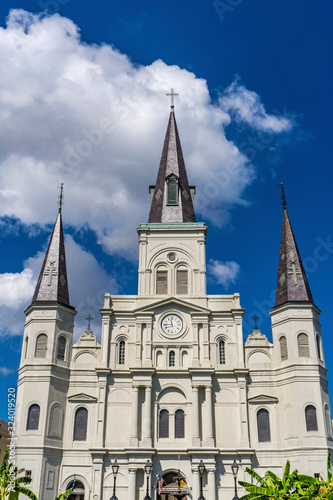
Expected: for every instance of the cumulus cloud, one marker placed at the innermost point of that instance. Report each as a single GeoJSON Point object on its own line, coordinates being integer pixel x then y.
{"type": "Point", "coordinates": [88, 116]}
{"type": "Point", "coordinates": [224, 273]}
{"type": "Point", "coordinates": [245, 106]}
{"type": "Point", "coordinates": [6, 371]}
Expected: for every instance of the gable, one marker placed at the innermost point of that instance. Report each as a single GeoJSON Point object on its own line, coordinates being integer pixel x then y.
{"type": "Point", "coordinates": [171, 302]}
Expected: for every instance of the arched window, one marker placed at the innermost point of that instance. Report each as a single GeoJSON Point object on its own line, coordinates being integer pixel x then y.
{"type": "Point", "coordinates": [41, 346]}
{"type": "Point", "coordinates": [61, 348]}
{"type": "Point", "coordinates": [172, 358]}
{"type": "Point", "coordinates": [80, 424]}
{"type": "Point", "coordinates": [182, 281]}
{"type": "Point", "coordinates": [26, 348]}
{"type": "Point", "coordinates": [328, 421]}
{"type": "Point", "coordinates": [55, 425]}
{"type": "Point", "coordinates": [161, 281]}
{"type": "Point", "coordinates": [159, 359]}
{"type": "Point", "coordinates": [179, 424]}
{"type": "Point", "coordinates": [78, 490]}
{"type": "Point", "coordinates": [283, 348]}
{"type": "Point", "coordinates": [222, 352]}
{"type": "Point", "coordinates": [33, 418]}
{"type": "Point", "coordinates": [303, 345]}
{"type": "Point", "coordinates": [318, 346]}
{"type": "Point", "coordinates": [172, 182]}
{"type": "Point", "coordinates": [311, 418]}
{"type": "Point", "coordinates": [121, 356]}
{"type": "Point", "coordinates": [264, 432]}
{"type": "Point", "coordinates": [164, 424]}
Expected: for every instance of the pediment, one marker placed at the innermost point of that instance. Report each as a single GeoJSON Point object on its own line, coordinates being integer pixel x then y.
{"type": "Point", "coordinates": [263, 398]}
{"type": "Point", "coordinates": [172, 302]}
{"type": "Point", "coordinates": [82, 398]}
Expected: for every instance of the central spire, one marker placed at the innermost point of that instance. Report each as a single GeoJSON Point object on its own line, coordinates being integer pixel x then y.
{"type": "Point", "coordinates": [172, 197]}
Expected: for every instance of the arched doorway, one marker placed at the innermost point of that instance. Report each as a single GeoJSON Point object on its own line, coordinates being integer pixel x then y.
{"type": "Point", "coordinates": [174, 486]}
{"type": "Point", "coordinates": [78, 491]}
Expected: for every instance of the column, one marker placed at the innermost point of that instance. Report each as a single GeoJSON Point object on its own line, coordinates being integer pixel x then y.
{"type": "Point", "coordinates": [147, 420]}
{"type": "Point", "coordinates": [211, 484]}
{"type": "Point", "coordinates": [100, 431]}
{"type": "Point", "coordinates": [135, 408]}
{"type": "Point", "coordinates": [147, 340]}
{"type": "Point", "coordinates": [209, 416]}
{"type": "Point", "coordinates": [105, 340]}
{"type": "Point", "coordinates": [138, 344]}
{"type": "Point", "coordinates": [241, 381]}
{"type": "Point", "coordinates": [195, 416]}
{"type": "Point", "coordinates": [196, 482]}
{"type": "Point", "coordinates": [97, 476]}
{"type": "Point", "coordinates": [195, 359]}
{"type": "Point", "coordinates": [131, 484]}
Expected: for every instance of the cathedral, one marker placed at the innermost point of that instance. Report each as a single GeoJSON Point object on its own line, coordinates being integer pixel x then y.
{"type": "Point", "coordinates": [171, 397]}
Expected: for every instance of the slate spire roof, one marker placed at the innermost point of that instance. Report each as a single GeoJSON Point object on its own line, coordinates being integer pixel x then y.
{"type": "Point", "coordinates": [172, 169]}
{"type": "Point", "coordinates": [52, 282]}
{"type": "Point", "coordinates": [292, 283]}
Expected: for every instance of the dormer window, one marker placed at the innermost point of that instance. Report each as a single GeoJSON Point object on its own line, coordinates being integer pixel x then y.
{"type": "Point", "coordinates": [172, 188]}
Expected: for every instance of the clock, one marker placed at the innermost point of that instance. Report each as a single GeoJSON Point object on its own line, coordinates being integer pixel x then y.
{"type": "Point", "coordinates": [172, 324]}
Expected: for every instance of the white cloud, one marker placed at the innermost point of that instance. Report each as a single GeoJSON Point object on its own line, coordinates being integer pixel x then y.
{"type": "Point", "coordinates": [6, 371]}
{"type": "Point", "coordinates": [16, 288]}
{"type": "Point", "coordinates": [245, 106]}
{"type": "Point", "coordinates": [224, 273]}
{"type": "Point", "coordinates": [88, 116]}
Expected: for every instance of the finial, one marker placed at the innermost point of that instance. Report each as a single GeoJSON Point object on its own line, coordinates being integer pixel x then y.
{"type": "Point", "coordinates": [172, 98]}
{"type": "Point", "coordinates": [61, 196]}
{"type": "Point", "coordinates": [255, 317]}
{"type": "Point", "coordinates": [284, 200]}
{"type": "Point", "coordinates": [89, 319]}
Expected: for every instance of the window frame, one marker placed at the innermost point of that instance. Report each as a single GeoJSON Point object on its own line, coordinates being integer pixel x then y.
{"type": "Point", "coordinates": [164, 411]}
{"type": "Point", "coordinates": [183, 423]}
{"type": "Point", "coordinates": [41, 334]}
{"type": "Point", "coordinates": [86, 426]}
{"type": "Point", "coordinates": [308, 422]}
{"type": "Point", "coordinates": [260, 431]}
{"type": "Point", "coordinates": [28, 417]}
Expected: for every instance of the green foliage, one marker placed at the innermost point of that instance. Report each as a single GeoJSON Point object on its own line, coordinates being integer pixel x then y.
{"type": "Point", "coordinates": [10, 484]}
{"type": "Point", "coordinates": [63, 496]}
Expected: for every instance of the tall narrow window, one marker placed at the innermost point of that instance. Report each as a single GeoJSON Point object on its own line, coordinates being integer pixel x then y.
{"type": "Point", "coordinates": [311, 418]}
{"type": "Point", "coordinates": [303, 345]}
{"type": "Point", "coordinates": [172, 358]}
{"type": "Point", "coordinates": [41, 346]}
{"type": "Point", "coordinates": [61, 348]}
{"type": "Point", "coordinates": [55, 424]}
{"type": "Point", "coordinates": [122, 352]}
{"type": "Point", "coordinates": [318, 347]}
{"type": "Point", "coordinates": [33, 418]}
{"type": "Point", "coordinates": [161, 282]}
{"type": "Point", "coordinates": [179, 424]}
{"type": "Point", "coordinates": [164, 424]}
{"type": "Point", "coordinates": [222, 352]}
{"type": "Point", "coordinates": [328, 421]}
{"type": "Point", "coordinates": [283, 348]}
{"type": "Point", "coordinates": [172, 198]}
{"type": "Point", "coordinates": [264, 432]}
{"type": "Point", "coordinates": [182, 281]}
{"type": "Point", "coordinates": [26, 348]}
{"type": "Point", "coordinates": [80, 424]}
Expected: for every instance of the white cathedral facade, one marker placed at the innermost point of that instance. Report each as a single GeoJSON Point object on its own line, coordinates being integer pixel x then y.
{"type": "Point", "coordinates": [172, 381]}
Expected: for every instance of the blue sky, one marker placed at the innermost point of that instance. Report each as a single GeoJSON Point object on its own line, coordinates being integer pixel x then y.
{"type": "Point", "coordinates": [255, 108]}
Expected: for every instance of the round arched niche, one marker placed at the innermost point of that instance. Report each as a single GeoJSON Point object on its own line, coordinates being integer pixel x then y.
{"type": "Point", "coordinates": [258, 357]}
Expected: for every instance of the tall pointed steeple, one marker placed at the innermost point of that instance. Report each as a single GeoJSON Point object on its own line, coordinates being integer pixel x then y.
{"type": "Point", "coordinates": [52, 283]}
{"type": "Point", "coordinates": [292, 283]}
{"type": "Point", "coordinates": [172, 196]}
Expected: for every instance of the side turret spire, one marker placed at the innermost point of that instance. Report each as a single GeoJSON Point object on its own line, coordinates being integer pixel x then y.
{"type": "Point", "coordinates": [52, 283]}
{"type": "Point", "coordinates": [292, 284]}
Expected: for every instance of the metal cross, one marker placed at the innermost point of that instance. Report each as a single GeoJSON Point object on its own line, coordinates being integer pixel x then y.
{"type": "Point", "coordinates": [50, 271]}
{"type": "Point", "coordinates": [89, 318]}
{"type": "Point", "coordinates": [255, 317]}
{"type": "Point", "coordinates": [294, 269]}
{"type": "Point", "coordinates": [61, 197]}
{"type": "Point", "coordinates": [172, 98]}
{"type": "Point", "coordinates": [284, 199]}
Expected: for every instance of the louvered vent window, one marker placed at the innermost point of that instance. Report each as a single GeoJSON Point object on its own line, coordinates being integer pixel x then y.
{"type": "Point", "coordinates": [179, 424]}
{"type": "Point", "coordinates": [80, 424]}
{"type": "Point", "coordinates": [41, 346]}
{"type": "Point", "coordinates": [33, 418]}
{"type": "Point", "coordinates": [61, 348]}
{"type": "Point", "coordinates": [303, 346]}
{"type": "Point", "coordinates": [164, 424]}
{"type": "Point", "coordinates": [222, 352]}
{"type": "Point", "coordinates": [161, 282]}
{"type": "Point", "coordinates": [318, 347]}
{"type": "Point", "coordinates": [283, 348]}
{"type": "Point", "coordinates": [26, 348]}
{"type": "Point", "coordinates": [328, 421]}
{"type": "Point", "coordinates": [55, 421]}
{"type": "Point", "coordinates": [122, 352]}
{"type": "Point", "coordinates": [264, 432]}
{"type": "Point", "coordinates": [311, 418]}
{"type": "Point", "coordinates": [172, 192]}
{"type": "Point", "coordinates": [182, 281]}
{"type": "Point", "coordinates": [172, 358]}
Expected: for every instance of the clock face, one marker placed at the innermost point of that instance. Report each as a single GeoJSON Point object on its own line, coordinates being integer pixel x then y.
{"type": "Point", "coordinates": [172, 324]}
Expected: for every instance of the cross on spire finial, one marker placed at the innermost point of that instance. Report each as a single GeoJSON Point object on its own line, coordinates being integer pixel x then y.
{"type": "Point", "coordinates": [284, 200]}
{"type": "Point", "coordinates": [255, 317]}
{"type": "Point", "coordinates": [89, 319]}
{"type": "Point", "coordinates": [61, 196]}
{"type": "Point", "coordinates": [172, 94]}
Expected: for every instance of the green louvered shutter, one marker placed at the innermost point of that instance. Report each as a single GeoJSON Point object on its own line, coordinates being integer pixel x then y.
{"type": "Point", "coordinates": [172, 192]}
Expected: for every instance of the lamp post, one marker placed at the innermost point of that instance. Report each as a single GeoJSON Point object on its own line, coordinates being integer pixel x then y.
{"type": "Point", "coordinates": [148, 469]}
{"type": "Point", "coordinates": [202, 469]}
{"type": "Point", "coordinates": [115, 468]}
{"type": "Point", "coordinates": [234, 468]}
